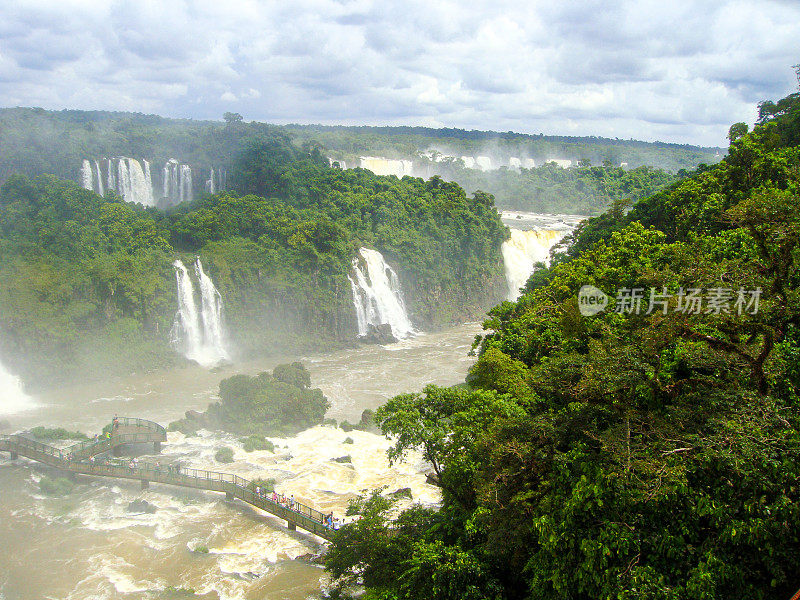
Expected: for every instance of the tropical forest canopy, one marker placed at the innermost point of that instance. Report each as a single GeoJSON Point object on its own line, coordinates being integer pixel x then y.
{"type": "Point", "coordinates": [634, 454]}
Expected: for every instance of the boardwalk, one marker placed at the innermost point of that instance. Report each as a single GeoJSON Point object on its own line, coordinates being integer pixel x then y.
{"type": "Point", "coordinates": [77, 459]}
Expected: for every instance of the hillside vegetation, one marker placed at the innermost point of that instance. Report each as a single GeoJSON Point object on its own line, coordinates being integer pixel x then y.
{"type": "Point", "coordinates": [88, 288]}
{"type": "Point", "coordinates": [649, 454]}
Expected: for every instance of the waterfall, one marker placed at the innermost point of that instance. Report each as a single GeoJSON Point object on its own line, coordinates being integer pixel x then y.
{"type": "Point", "coordinates": [177, 182]}
{"type": "Point", "coordinates": [185, 183]}
{"type": "Point", "coordinates": [522, 251]}
{"type": "Point", "coordinates": [140, 186]}
{"type": "Point", "coordinates": [198, 334]}
{"type": "Point", "coordinates": [111, 184]}
{"type": "Point", "coordinates": [211, 311]}
{"type": "Point", "coordinates": [377, 296]}
{"type": "Point", "coordinates": [385, 166]}
{"type": "Point", "coordinates": [13, 398]}
{"type": "Point", "coordinates": [100, 189]}
{"type": "Point", "coordinates": [210, 187]}
{"type": "Point", "coordinates": [86, 175]}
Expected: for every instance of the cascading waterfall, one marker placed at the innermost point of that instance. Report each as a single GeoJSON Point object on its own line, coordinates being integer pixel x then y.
{"type": "Point", "coordinates": [377, 296]}
{"type": "Point", "coordinates": [211, 311]}
{"type": "Point", "coordinates": [385, 166]}
{"type": "Point", "coordinates": [210, 184]}
{"type": "Point", "coordinates": [177, 182]}
{"type": "Point", "coordinates": [126, 176]}
{"type": "Point", "coordinates": [522, 251]}
{"type": "Point", "coordinates": [86, 175]}
{"type": "Point", "coordinates": [186, 183]}
{"type": "Point", "coordinates": [13, 398]}
{"type": "Point", "coordinates": [197, 333]}
{"type": "Point", "coordinates": [111, 183]}
{"type": "Point", "coordinates": [100, 189]}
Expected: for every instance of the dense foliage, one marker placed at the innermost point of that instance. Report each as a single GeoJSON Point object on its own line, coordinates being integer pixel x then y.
{"type": "Point", "coordinates": [88, 287]}
{"type": "Point", "coordinates": [275, 404]}
{"type": "Point", "coordinates": [648, 455]}
{"type": "Point", "coordinates": [552, 189]}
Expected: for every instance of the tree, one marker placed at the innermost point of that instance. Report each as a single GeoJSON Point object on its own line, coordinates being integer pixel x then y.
{"type": "Point", "coordinates": [736, 131]}
{"type": "Point", "coordinates": [231, 118]}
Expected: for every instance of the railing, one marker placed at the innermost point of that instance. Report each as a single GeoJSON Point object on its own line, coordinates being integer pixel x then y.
{"type": "Point", "coordinates": [73, 459]}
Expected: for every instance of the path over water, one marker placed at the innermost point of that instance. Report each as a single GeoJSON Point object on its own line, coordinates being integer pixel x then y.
{"type": "Point", "coordinates": [78, 459]}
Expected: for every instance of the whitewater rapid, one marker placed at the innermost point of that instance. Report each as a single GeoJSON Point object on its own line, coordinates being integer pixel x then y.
{"type": "Point", "coordinates": [115, 553]}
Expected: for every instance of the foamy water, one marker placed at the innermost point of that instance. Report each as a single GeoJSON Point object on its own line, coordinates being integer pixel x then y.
{"type": "Point", "coordinates": [102, 551]}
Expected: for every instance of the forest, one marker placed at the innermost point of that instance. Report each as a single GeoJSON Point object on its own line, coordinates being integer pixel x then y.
{"type": "Point", "coordinates": [650, 451]}
{"type": "Point", "coordinates": [88, 288]}
{"type": "Point", "coordinates": [34, 141]}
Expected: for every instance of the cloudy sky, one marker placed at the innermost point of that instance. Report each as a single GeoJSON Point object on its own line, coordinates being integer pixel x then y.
{"type": "Point", "coordinates": [671, 70]}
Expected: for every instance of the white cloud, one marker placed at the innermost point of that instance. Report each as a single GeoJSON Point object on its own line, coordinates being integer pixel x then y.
{"type": "Point", "coordinates": [645, 69]}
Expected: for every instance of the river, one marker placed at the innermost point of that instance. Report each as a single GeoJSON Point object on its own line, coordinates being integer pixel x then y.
{"type": "Point", "coordinates": [87, 546]}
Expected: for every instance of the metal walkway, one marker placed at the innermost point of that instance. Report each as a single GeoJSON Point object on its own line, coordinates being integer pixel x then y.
{"type": "Point", "coordinates": [77, 459]}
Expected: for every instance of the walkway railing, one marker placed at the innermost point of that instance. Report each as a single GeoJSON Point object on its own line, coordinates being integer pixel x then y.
{"type": "Point", "coordinates": [73, 459]}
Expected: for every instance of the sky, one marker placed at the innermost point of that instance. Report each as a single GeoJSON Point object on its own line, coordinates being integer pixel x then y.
{"type": "Point", "coordinates": [669, 70]}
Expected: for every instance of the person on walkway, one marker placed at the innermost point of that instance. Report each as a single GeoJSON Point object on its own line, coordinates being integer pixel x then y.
{"type": "Point", "coordinates": [291, 502]}
{"type": "Point", "coordinates": [115, 422]}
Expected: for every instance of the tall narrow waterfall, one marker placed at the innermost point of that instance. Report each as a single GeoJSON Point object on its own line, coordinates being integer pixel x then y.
{"type": "Point", "coordinates": [13, 398]}
{"type": "Point", "coordinates": [377, 296]}
{"type": "Point", "coordinates": [522, 251]}
{"type": "Point", "coordinates": [198, 334]}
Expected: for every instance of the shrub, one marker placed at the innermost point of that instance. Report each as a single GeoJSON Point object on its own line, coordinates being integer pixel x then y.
{"type": "Point", "coordinates": [224, 455]}
{"type": "Point", "coordinates": [264, 484]}
{"type": "Point", "coordinates": [257, 442]}
{"type": "Point", "coordinates": [348, 440]}
{"type": "Point", "coordinates": [59, 486]}
{"type": "Point", "coordinates": [57, 433]}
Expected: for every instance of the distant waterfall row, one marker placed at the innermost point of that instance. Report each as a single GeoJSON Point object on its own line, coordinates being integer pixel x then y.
{"type": "Point", "coordinates": [522, 251]}
{"type": "Point", "coordinates": [377, 296]}
{"type": "Point", "coordinates": [131, 179]}
{"type": "Point", "coordinates": [198, 333]}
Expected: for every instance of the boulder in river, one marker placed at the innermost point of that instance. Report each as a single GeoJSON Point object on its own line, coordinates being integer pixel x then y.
{"type": "Point", "coordinates": [378, 334]}
{"type": "Point", "coordinates": [141, 506]}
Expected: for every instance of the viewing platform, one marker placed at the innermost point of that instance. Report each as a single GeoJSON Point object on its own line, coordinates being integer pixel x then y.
{"type": "Point", "coordinates": [78, 459]}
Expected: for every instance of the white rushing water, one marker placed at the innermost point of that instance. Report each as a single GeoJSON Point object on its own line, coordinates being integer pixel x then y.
{"type": "Point", "coordinates": [199, 334]}
{"type": "Point", "coordinates": [177, 182]}
{"type": "Point", "coordinates": [127, 176]}
{"type": "Point", "coordinates": [385, 166]}
{"type": "Point", "coordinates": [13, 398]}
{"type": "Point", "coordinates": [377, 296]}
{"type": "Point", "coordinates": [116, 554]}
{"type": "Point", "coordinates": [522, 251]}
{"type": "Point", "coordinates": [86, 175]}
